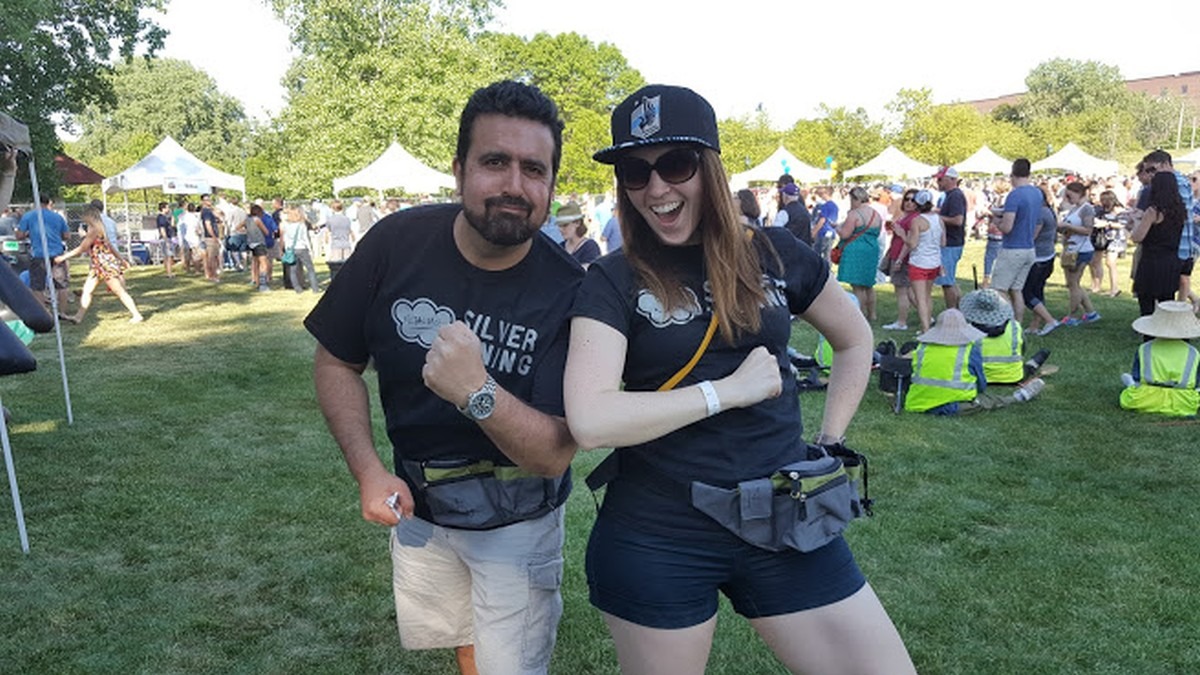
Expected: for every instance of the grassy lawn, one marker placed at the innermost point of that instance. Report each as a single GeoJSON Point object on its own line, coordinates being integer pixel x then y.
{"type": "Point", "coordinates": [197, 517]}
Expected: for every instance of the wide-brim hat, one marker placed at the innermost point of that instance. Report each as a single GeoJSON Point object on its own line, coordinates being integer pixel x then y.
{"type": "Point", "coordinates": [951, 329]}
{"type": "Point", "coordinates": [660, 113]}
{"type": "Point", "coordinates": [985, 307]}
{"type": "Point", "coordinates": [1171, 319]}
{"type": "Point", "coordinates": [568, 213]}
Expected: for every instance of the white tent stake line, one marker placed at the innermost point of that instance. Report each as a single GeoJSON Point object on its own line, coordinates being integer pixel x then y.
{"type": "Point", "coordinates": [37, 199]}
{"type": "Point", "coordinates": [12, 485]}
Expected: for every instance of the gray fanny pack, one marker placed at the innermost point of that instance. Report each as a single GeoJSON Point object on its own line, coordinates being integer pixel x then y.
{"type": "Point", "coordinates": [474, 494]}
{"type": "Point", "coordinates": [803, 505]}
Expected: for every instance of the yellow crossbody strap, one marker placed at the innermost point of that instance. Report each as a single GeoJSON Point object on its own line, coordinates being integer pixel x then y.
{"type": "Point", "coordinates": [708, 335]}
{"type": "Point", "coordinates": [687, 368]}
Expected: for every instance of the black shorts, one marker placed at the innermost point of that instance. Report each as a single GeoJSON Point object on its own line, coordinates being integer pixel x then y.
{"type": "Point", "coordinates": [58, 271]}
{"type": "Point", "coordinates": [1186, 270]}
{"type": "Point", "coordinates": [259, 251]}
{"type": "Point", "coordinates": [673, 582]}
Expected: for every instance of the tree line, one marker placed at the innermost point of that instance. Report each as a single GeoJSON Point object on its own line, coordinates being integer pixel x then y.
{"type": "Point", "coordinates": [368, 74]}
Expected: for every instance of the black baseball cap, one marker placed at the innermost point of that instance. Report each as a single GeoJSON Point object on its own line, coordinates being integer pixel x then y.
{"type": "Point", "coordinates": [660, 113]}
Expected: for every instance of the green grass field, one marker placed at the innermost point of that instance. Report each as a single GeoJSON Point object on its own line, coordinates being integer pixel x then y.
{"type": "Point", "coordinates": [197, 517]}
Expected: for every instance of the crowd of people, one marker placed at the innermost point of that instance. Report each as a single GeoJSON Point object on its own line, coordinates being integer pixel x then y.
{"type": "Point", "coordinates": [500, 353]}
{"type": "Point", "coordinates": [1085, 225]}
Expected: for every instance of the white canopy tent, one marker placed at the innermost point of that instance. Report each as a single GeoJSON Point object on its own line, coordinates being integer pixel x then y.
{"type": "Point", "coordinates": [780, 162]}
{"type": "Point", "coordinates": [15, 134]}
{"type": "Point", "coordinates": [1073, 158]}
{"type": "Point", "coordinates": [893, 164]}
{"type": "Point", "coordinates": [985, 160]}
{"type": "Point", "coordinates": [173, 170]}
{"type": "Point", "coordinates": [1192, 157]}
{"type": "Point", "coordinates": [396, 169]}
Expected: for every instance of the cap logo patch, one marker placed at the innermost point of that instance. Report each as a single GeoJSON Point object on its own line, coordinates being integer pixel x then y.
{"type": "Point", "coordinates": [644, 121]}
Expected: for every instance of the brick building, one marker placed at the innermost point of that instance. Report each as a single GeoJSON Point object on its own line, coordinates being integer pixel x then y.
{"type": "Point", "coordinates": [1185, 85]}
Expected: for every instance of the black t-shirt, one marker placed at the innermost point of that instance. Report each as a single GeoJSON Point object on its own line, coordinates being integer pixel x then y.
{"type": "Point", "coordinates": [405, 280]}
{"type": "Point", "coordinates": [208, 219]}
{"type": "Point", "coordinates": [165, 226]}
{"type": "Point", "coordinates": [735, 445]}
{"type": "Point", "coordinates": [954, 204]}
{"type": "Point", "coordinates": [799, 223]}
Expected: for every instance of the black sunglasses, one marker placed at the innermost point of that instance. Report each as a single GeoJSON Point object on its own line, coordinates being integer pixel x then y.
{"type": "Point", "coordinates": [675, 167]}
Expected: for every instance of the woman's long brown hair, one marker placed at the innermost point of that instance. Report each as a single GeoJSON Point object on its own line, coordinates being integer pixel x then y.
{"type": "Point", "coordinates": [731, 261]}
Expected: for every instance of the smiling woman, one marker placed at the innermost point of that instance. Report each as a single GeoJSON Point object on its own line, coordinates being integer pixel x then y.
{"type": "Point", "coordinates": [678, 360]}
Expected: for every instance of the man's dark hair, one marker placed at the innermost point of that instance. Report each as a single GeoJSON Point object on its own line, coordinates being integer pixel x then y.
{"type": "Point", "coordinates": [162, 205]}
{"type": "Point", "coordinates": [785, 179]}
{"type": "Point", "coordinates": [98, 204]}
{"type": "Point", "coordinates": [1158, 157]}
{"type": "Point", "coordinates": [511, 99]}
{"type": "Point", "coordinates": [45, 199]}
{"type": "Point", "coordinates": [1020, 167]}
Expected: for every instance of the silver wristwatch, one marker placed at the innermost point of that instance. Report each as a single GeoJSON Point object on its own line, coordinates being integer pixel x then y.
{"type": "Point", "coordinates": [482, 403]}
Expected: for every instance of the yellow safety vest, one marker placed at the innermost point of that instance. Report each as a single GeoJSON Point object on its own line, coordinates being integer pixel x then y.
{"type": "Point", "coordinates": [940, 376]}
{"type": "Point", "coordinates": [824, 355]}
{"type": "Point", "coordinates": [1003, 360]}
{"type": "Point", "coordinates": [1168, 379]}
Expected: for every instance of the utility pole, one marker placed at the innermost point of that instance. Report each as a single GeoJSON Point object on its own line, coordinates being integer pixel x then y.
{"type": "Point", "coordinates": [1179, 129]}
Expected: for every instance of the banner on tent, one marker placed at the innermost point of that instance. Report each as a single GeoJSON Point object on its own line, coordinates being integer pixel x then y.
{"type": "Point", "coordinates": [183, 186]}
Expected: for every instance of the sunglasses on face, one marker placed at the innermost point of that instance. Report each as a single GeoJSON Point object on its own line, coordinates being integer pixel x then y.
{"type": "Point", "coordinates": [675, 167]}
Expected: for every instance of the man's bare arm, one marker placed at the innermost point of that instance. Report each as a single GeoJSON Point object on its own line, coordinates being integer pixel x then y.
{"type": "Point", "coordinates": [344, 400]}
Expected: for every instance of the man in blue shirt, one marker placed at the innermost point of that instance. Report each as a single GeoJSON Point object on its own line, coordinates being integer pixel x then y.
{"type": "Point", "coordinates": [1021, 211]}
{"type": "Point", "coordinates": [56, 234]}
{"type": "Point", "coordinates": [611, 234]}
{"type": "Point", "coordinates": [825, 226]}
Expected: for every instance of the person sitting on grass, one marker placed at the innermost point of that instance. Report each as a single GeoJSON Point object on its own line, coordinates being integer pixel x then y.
{"type": "Point", "coordinates": [948, 376]}
{"type": "Point", "coordinates": [1003, 342]}
{"type": "Point", "coordinates": [947, 366]}
{"type": "Point", "coordinates": [1164, 375]}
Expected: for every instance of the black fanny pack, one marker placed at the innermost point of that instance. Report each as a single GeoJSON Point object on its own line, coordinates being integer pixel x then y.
{"type": "Point", "coordinates": [473, 494]}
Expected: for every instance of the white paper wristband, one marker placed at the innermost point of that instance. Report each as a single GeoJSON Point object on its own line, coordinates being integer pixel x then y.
{"type": "Point", "coordinates": [710, 397]}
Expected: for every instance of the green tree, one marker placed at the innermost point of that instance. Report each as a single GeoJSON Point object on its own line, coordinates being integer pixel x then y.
{"type": "Point", "coordinates": [372, 73]}
{"type": "Point", "coordinates": [585, 80]}
{"type": "Point", "coordinates": [54, 55]}
{"type": "Point", "coordinates": [746, 141]}
{"type": "Point", "coordinates": [1061, 87]}
{"type": "Point", "coordinates": [811, 141]}
{"type": "Point", "coordinates": [854, 137]}
{"type": "Point", "coordinates": [157, 98]}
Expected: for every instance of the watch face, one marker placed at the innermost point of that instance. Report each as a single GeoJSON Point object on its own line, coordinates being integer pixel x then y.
{"type": "Point", "coordinates": [481, 405]}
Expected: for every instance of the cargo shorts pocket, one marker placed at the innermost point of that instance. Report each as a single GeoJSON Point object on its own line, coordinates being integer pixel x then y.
{"type": "Point", "coordinates": [543, 614]}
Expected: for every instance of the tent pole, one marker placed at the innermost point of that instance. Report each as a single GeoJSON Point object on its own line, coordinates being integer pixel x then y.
{"type": "Point", "coordinates": [12, 484]}
{"type": "Point", "coordinates": [62, 361]}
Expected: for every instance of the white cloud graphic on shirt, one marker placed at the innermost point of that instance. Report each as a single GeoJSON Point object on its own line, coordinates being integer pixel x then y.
{"type": "Point", "coordinates": [651, 308]}
{"type": "Point", "coordinates": [418, 321]}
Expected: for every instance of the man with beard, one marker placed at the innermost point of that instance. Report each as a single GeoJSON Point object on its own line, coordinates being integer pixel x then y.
{"type": "Point", "coordinates": [464, 312]}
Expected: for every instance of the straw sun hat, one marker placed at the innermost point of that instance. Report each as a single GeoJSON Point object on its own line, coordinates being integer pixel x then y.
{"type": "Point", "coordinates": [1171, 319]}
{"type": "Point", "coordinates": [952, 329]}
